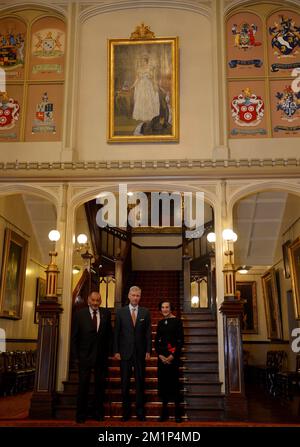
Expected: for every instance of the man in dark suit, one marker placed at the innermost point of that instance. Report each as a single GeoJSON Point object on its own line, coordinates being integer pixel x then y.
{"type": "Point", "coordinates": [132, 345]}
{"type": "Point", "coordinates": [91, 337]}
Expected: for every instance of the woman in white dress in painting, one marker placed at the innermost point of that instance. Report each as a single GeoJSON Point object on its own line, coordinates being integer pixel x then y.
{"type": "Point", "coordinates": [146, 96]}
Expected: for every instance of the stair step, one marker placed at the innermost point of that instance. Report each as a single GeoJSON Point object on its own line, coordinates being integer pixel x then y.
{"type": "Point", "coordinates": [199, 330]}
{"type": "Point", "coordinates": [115, 395]}
{"type": "Point", "coordinates": [202, 388]}
{"type": "Point", "coordinates": [204, 401]}
{"type": "Point", "coordinates": [190, 340]}
{"type": "Point", "coordinates": [196, 347]}
{"type": "Point", "coordinates": [198, 324]}
{"type": "Point", "coordinates": [150, 371]}
{"type": "Point", "coordinates": [198, 315]}
{"type": "Point", "coordinates": [199, 357]}
{"type": "Point", "coordinates": [151, 362]}
{"type": "Point", "coordinates": [204, 414]}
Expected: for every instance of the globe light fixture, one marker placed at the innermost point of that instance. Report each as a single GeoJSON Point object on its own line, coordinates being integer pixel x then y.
{"type": "Point", "coordinates": [229, 235]}
{"type": "Point", "coordinates": [82, 239]}
{"type": "Point", "coordinates": [54, 235]}
{"type": "Point", "coordinates": [211, 237]}
{"type": "Point", "coordinates": [195, 301]}
{"type": "Point", "coordinates": [243, 269]}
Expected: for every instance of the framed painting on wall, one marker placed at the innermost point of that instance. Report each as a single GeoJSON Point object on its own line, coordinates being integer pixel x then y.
{"type": "Point", "coordinates": [248, 297]}
{"type": "Point", "coordinates": [13, 275]}
{"type": "Point", "coordinates": [40, 294]}
{"type": "Point", "coordinates": [143, 90]}
{"type": "Point", "coordinates": [272, 306]}
{"type": "Point", "coordinates": [285, 257]}
{"type": "Point", "coordinates": [294, 257]}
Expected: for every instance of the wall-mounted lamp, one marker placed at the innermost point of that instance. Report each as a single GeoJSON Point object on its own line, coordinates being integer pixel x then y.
{"type": "Point", "coordinates": [82, 242]}
{"type": "Point", "coordinates": [195, 301]}
{"type": "Point", "coordinates": [54, 235]}
{"type": "Point", "coordinates": [211, 237]}
{"type": "Point", "coordinates": [76, 269]}
{"type": "Point", "coordinates": [229, 236]}
{"type": "Point", "coordinates": [83, 247]}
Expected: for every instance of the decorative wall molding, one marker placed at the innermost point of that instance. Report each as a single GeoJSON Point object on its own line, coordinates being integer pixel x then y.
{"type": "Point", "coordinates": [152, 164]}
{"type": "Point", "coordinates": [60, 7]}
{"type": "Point", "coordinates": [232, 4]}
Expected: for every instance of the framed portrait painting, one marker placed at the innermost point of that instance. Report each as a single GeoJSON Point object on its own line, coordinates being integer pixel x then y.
{"type": "Point", "coordinates": [294, 257]}
{"type": "Point", "coordinates": [40, 294]}
{"type": "Point", "coordinates": [272, 305]}
{"type": "Point", "coordinates": [248, 297]}
{"type": "Point", "coordinates": [143, 90]}
{"type": "Point", "coordinates": [13, 275]}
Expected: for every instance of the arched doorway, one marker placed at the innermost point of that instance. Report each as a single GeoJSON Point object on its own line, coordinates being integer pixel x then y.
{"type": "Point", "coordinates": [267, 223]}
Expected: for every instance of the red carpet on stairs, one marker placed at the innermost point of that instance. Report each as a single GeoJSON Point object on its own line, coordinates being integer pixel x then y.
{"type": "Point", "coordinates": [157, 286]}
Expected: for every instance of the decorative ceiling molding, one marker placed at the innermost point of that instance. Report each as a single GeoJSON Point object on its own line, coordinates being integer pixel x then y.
{"type": "Point", "coordinates": [197, 7]}
{"type": "Point", "coordinates": [171, 163]}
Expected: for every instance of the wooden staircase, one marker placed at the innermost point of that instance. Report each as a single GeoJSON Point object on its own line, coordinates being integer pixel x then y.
{"type": "Point", "coordinates": [202, 388]}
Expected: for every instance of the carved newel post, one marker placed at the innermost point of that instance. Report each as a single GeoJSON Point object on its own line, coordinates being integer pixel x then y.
{"type": "Point", "coordinates": [119, 280]}
{"type": "Point", "coordinates": [186, 260]}
{"type": "Point", "coordinates": [45, 378]}
{"type": "Point", "coordinates": [232, 310]}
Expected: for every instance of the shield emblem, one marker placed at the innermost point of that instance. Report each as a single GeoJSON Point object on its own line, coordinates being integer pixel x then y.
{"type": "Point", "coordinates": [247, 113]}
{"type": "Point", "coordinates": [48, 45]}
{"type": "Point", "coordinates": [285, 43]}
{"type": "Point", "coordinates": [247, 109]}
{"type": "Point", "coordinates": [5, 117]}
{"type": "Point", "coordinates": [40, 116]}
{"type": "Point", "coordinates": [9, 113]}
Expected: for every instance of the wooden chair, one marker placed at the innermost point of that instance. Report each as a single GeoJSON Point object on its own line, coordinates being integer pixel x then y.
{"type": "Point", "coordinates": [288, 382]}
{"type": "Point", "coordinates": [277, 363]}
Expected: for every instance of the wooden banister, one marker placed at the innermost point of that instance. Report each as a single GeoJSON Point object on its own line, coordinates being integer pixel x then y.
{"type": "Point", "coordinates": [82, 288]}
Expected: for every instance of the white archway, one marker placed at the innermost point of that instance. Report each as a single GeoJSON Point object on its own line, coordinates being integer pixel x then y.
{"type": "Point", "coordinates": [49, 193]}
{"type": "Point", "coordinates": [292, 187]}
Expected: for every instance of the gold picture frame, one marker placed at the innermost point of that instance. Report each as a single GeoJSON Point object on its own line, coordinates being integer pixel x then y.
{"type": "Point", "coordinates": [248, 297]}
{"type": "Point", "coordinates": [143, 90]}
{"type": "Point", "coordinates": [13, 275]}
{"type": "Point", "coordinates": [285, 257]}
{"type": "Point", "coordinates": [272, 306]}
{"type": "Point", "coordinates": [294, 257]}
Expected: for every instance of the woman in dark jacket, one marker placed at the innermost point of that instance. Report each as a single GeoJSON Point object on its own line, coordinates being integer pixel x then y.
{"type": "Point", "coordinates": [168, 345]}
